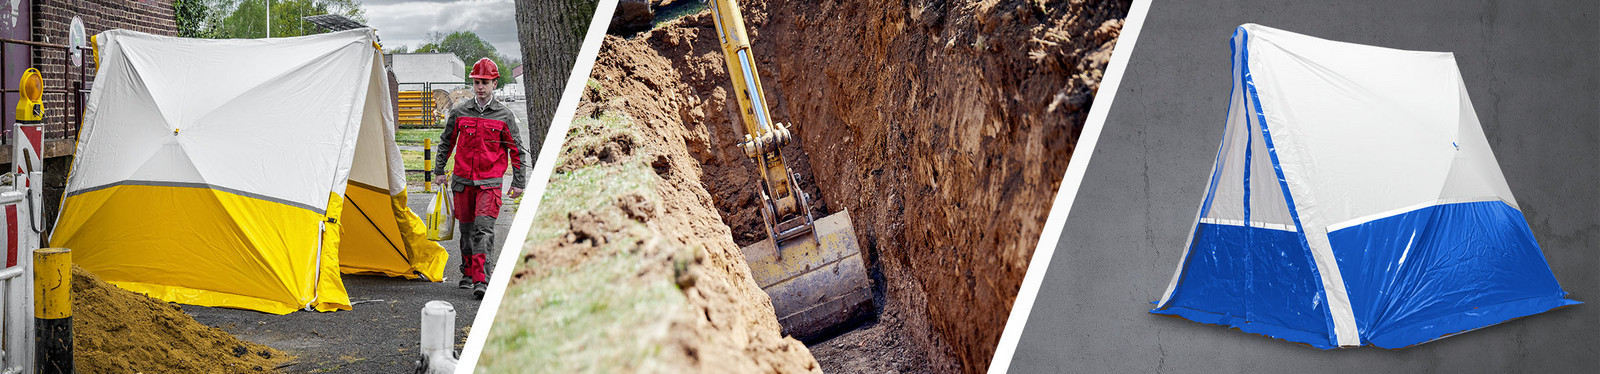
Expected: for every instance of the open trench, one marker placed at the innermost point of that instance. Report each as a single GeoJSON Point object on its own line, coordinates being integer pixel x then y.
{"type": "Point", "coordinates": [943, 128]}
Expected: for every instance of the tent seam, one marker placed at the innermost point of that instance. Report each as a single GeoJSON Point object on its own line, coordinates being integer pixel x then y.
{"type": "Point", "coordinates": [1333, 278]}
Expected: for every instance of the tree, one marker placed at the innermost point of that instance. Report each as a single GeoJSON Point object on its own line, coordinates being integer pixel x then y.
{"type": "Point", "coordinates": [288, 15]}
{"type": "Point", "coordinates": [467, 46]}
{"type": "Point", "coordinates": [249, 18]}
{"type": "Point", "coordinates": [512, 63]}
{"type": "Point", "coordinates": [551, 33]}
{"type": "Point", "coordinates": [188, 15]}
{"type": "Point", "coordinates": [200, 18]}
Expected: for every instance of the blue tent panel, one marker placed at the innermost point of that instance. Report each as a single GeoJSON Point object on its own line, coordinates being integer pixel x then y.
{"type": "Point", "coordinates": [1257, 280]}
{"type": "Point", "coordinates": [1441, 270]}
{"type": "Point", "coordinates": [1410, 278]}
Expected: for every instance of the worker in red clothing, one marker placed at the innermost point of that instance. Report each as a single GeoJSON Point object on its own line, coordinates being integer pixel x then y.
{"type": "Point", "coordinates": [483, 135]}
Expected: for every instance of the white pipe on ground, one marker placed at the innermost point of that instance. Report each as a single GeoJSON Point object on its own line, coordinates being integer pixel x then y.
{"type": "Point", "coordinates": [438, 338]}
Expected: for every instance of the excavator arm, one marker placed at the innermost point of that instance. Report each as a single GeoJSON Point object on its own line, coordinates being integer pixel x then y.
{"type": "Point", "coordinates": [786, 209]}
{"type": "Point", "coordinates": [811, 268]}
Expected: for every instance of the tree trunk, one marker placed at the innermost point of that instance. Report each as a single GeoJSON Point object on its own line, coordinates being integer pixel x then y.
{"type": "Point", "coordinates": [551, 32]}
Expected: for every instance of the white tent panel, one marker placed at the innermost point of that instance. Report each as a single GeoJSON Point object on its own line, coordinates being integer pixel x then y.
{"type": "Point", "coordinates": [1268, 208]}
{"type": "Point", "coordinates": [188, 64]}
{"type": "Point", "coordinates": [377, 158]}
{"type": "Point", "coordinates": [1474, 174]}
{"type": "Point", "coordinates": [170, 163]}
{"type": "Point", "coordinates": [1226, 201]}
{"type": "Point", "coordinates": [1243, 148]}
{"type": "Point", "coordinates": [201, 105]}
{"type": "Point", "coordinates": [1333, 94]}
{"type": "Point", "coordinates": [138, 143]}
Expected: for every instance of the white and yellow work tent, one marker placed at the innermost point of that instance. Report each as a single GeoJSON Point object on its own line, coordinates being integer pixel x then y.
{"type": "Point", "coordinates": [241, 173]}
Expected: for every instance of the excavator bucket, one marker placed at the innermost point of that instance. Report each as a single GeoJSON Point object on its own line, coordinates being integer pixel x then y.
{"type": "Point", "coordinates": [817, 280]}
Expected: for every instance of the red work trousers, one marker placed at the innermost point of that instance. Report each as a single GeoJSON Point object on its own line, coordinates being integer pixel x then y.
{"type": "Point", "coordinates": [476, 208]}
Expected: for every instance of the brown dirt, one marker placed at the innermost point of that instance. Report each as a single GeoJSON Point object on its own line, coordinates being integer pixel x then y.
{"type": "Point", "coordinates": [946, 135]}
{"type": "Point", "coordinates": [117, 331]}
{"type": "Point", "coordinates": [674, 78]}
{"type": "Point", "coordinates": [729, 325]}
{"type": "Point", "coordinates": [631, 16]}
{"type": "Point", "coordinates": [943, 128]}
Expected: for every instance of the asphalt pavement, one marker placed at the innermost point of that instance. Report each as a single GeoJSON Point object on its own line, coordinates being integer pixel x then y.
{"type": "Point", "coordinates": [381, 333]}
{"type": "Point", "coordinates": [1529, 68]}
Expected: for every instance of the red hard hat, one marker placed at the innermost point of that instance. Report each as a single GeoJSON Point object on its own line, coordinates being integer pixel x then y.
{"type": "Point", "coordinates": [485, 69]}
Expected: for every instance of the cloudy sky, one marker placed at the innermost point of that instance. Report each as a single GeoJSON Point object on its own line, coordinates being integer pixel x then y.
{"type": "Point", "coordinates": [408, 22]}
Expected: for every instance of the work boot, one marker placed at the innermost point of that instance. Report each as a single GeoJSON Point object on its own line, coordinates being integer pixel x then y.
{"type": "Point", "coordinates": [465, 283]}
{"type": "Point", "coordinates": [479, 289]}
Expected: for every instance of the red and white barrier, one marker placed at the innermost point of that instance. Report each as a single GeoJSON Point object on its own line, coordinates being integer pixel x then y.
{"type": "Point", "coordinates": [19, 236]}
{"type": "Point", "coordinates": [16, 279]}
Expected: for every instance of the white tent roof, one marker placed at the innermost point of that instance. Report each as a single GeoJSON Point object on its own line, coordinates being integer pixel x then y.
{"type": "Point", "coordinates": [1421, 140]}
{"type": "Point", "coordinates": [185, 129]}
{"type": "Point", "coordinates": [1422, 143]}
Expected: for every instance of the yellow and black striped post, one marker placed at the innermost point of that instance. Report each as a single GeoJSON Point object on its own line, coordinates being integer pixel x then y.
{"type": "Point", "coordinates": [52, 309]}
{"type": "Point", "coordinates": [427, 165]}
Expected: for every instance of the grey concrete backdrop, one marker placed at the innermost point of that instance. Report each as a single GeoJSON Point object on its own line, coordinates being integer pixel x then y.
{"type": "Point", "coordinates": [1530, 69]}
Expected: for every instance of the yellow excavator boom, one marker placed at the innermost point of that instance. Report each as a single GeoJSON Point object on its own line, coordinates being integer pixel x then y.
{"type": "Point", "coordinates": [811, 268]}
{"type": "Point", "coordinates": [763, 136]}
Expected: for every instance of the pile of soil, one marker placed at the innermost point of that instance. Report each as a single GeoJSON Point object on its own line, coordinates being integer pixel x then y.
{"type": "Point", "coordinates": [728, 324]}
{"type": "Point", "coordinates": [117, 331]}
{"type": "Point", "coordinates": [944, 129]}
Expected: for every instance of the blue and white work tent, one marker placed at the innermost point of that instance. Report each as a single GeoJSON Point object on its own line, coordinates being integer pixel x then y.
{"type": "Point", "coordinates": [1354, 200]}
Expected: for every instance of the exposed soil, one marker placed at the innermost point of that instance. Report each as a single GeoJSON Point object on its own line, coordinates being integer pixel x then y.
{"type": "Point", "coordinates": [945, 133]}
{"type": "Point", "coordinates": [674, 78]}
{"type": "Point", "coordinates": [117, 331]}
{"type": "Point", "coordinates": [943, 128]}
{"type": "Point", "coordinates": [632, 16]}
{"type": "Point", "coordinates": [728, 324]}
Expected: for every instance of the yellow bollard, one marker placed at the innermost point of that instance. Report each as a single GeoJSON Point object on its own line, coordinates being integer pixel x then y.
{"type": "Point", "coordinates": [52, 309]}
{"type": "Point", "coordinates": [427, 165]}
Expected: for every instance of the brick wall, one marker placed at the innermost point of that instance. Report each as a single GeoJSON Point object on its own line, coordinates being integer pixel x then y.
{"type": "Point", "coordinates": [52, 21]}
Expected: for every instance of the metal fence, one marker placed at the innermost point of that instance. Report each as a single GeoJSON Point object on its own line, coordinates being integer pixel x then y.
{"type": "Point", "coordinates": [420, 104]}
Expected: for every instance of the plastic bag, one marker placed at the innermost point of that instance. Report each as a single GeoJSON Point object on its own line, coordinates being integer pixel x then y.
{"type": "Point", "coordinates": [441, 219]}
